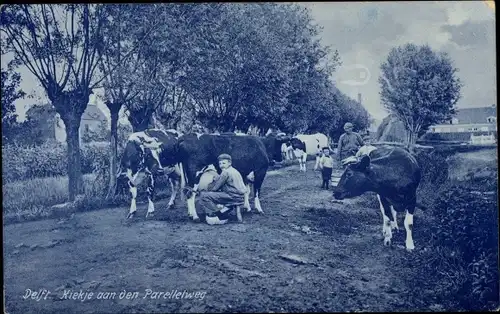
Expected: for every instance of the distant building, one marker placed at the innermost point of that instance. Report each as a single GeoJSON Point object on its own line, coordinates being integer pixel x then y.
{"type": "Point", "coordinates": [473, 125]}
{"type": "Point", "coordinates": [91, 120]}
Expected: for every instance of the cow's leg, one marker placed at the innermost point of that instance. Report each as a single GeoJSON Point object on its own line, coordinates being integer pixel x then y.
{"type": "Point", "coordinates": [304, 159]}
{"type": "Point", "coordinates": [151, 195]}
{"type": "Point", "coordinates": [316, 164]}
{"type": "Point", "coordinates": [133, 181]}
{"type": "Point", "coordinates": [259, 179]}
{"type": "Point", "coordinates": [257, 201]}
{"type": "Point", "coordinates": [238, 213]}
{"type": "Point", "coordinates": [409, 226]}
{"type": "Point", "coordinates": [174, 186]}
{"type": "Point", "coordinates": [133, 205]}
{"type": "Point", "coordinates": [247, 198]}
{"type": "Point", "coordinates": [298, 154]}
{"type": "Point", "coordinates": [182, 180]}
{"type": "Point", "coordinates": [394, 223]}
{"type": "Point", "coordinates": [191, 205]}
{"type": "Point", "coordinates": [386, 222]}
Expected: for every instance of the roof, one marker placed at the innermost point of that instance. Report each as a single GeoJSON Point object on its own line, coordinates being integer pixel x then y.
{"type": "Point", "coordinates": [475, 115]}
{"type": "Point", "coordinates": [92, 112]}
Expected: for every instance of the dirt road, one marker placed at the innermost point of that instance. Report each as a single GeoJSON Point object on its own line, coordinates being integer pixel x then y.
{"type": "Point", "coordinates": [304, 254]}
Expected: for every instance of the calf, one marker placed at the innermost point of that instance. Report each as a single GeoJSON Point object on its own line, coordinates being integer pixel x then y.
{"type": "Point", "coordinates": [394, 174]}
{"type": "Point", "coordinates": [248, 154]}
{"type": "Point", "coordinates": [148, 154]}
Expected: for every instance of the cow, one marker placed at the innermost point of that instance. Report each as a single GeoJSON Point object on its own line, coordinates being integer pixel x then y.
{"type": "Point", "coordinates": [148, 154]}
{"type": "Point", "coordinates": [199, 151]}
{"type": "Point", "coordinates": [308, 144]}
{"type": "Point", "coordinates": [273, 143]}
{"type": "Point", "coordinates": [394, 174]}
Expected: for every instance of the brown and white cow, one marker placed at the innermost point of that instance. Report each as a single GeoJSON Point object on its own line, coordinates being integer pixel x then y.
{"type": "Point", "coordinates": [148, 154]}
{"type": "Point", "coordinates": [394, 174]}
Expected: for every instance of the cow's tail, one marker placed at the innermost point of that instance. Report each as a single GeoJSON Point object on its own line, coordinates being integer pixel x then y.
{"type": "Point", "coordinates": [113, 190]}
{"type": "Point", "coordinates": [119, 171]}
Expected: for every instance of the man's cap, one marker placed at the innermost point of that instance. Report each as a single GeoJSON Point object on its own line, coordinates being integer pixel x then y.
{"type": "Point", "coordinates": [325, 147]}
{"type": "Point", "coordinates": [225, 157]}
{"type": "Point", "coordinates": [348, 125]}
{"type": "Point", "coordinates": [367, 138]}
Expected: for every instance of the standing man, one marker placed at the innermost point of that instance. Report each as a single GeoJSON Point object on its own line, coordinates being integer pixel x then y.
{"type": "Point", "coordinates": [228, 189]}
{"type": "Point", "coordinates": [349, 143]}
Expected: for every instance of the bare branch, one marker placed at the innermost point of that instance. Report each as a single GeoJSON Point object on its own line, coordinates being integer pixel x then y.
{"type": "Point", "coordinates": [20, 52]}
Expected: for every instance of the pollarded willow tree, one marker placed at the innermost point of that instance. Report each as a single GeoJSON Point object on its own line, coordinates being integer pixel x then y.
{"type": "Point", "coordinates": [61, 46]}
{"type": "Point", "coordinates": [420, 87]}
{"type": "Point", "coordinates": [128, 27]}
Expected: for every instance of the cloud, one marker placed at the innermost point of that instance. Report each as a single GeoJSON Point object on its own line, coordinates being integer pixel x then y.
{"type": "Point", "coordinates": [472, 33]}
{"type": "Point", "coordinates": [365, 32]}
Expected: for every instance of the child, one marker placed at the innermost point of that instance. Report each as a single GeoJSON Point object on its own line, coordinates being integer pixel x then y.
{"type": "Point", "coordinates": [326, 166]}
{"type": "Point", "coordinates": [367, 148]}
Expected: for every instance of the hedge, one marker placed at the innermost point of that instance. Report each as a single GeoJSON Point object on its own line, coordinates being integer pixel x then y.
{"type": "Point", "coordinates": [49, 160]}
{"type": "Point", "coordinates": [465, 235]}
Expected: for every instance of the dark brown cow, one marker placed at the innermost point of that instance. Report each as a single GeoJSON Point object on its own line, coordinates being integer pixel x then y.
{"type": "Point", "coordinates": [394, 174]}
{"type": "Point", "coordinates": [199, 151]}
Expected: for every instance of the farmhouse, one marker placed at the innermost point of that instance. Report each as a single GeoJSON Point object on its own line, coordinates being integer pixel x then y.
{"type": "Point", "coordinates": [472, 125]}
{"type": "Point", "coordinates": [91, 119]}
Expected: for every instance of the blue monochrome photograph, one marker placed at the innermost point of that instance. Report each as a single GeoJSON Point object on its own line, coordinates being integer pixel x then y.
{"type": "Point", "coordinates": [249, 157]}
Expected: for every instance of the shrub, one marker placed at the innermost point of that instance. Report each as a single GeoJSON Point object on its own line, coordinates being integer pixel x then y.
{"type": "Point", "coordinates": [50, 160]}
{"type": "Point", "coordinates": [465, 235]}
{"type": "Point", "coordinates": [434, 167]}
{"type": "Point", "coordinates": [434, 171]}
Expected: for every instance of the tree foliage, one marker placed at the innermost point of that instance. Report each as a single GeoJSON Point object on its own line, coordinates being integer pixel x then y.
{"type": "Point", "coordinates": [10, 93]}
{"type": "Point", "coordinates": [221, 66]}
{"type": "Point", "coordinates": [419, 86]}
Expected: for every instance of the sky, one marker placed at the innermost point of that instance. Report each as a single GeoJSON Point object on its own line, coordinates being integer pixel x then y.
{"type": "Point", "coordinates": [365, 32]}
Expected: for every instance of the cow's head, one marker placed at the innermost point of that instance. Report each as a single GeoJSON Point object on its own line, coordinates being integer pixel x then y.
{"type": "Point", "coordinates": [130, 164]}
{"type": "Point", "coordinates": [355, 180]}
{"type": "Point", "coordinates": [276, 141]}
{"type": "Point", "coordinates": [133, 157]}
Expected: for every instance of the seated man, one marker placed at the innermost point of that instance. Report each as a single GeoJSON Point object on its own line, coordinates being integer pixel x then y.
{"type": "Point", "coordinates": [228, 189]}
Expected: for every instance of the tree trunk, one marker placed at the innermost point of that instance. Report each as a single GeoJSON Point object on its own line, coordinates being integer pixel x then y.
{"type": "Point", "coordinates": [140, 124]}
{"type": "Point", "coordinates": [113, 153]}
{"type": "Point", "coordinates": [75, 178]}
{"type": "Point", "coordinates": [411, 141]}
